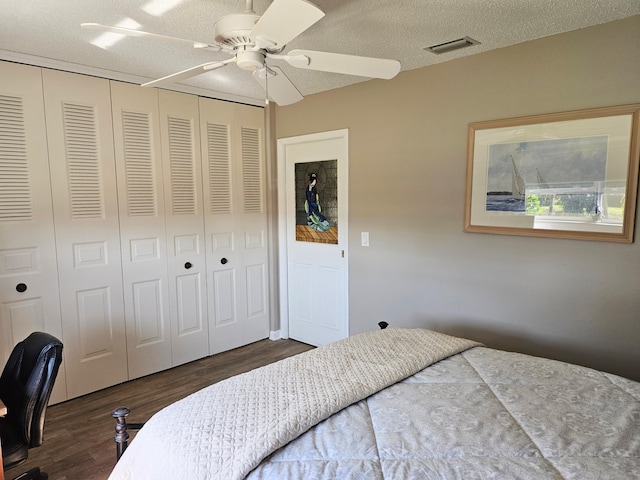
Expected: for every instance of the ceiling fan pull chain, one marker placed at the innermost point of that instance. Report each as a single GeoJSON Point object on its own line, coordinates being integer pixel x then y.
{"type": "Point", "coordinates": [266, 84]}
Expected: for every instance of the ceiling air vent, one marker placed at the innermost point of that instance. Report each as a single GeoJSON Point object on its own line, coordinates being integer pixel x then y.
{"type": "Point", "coordinates": [452, 45]}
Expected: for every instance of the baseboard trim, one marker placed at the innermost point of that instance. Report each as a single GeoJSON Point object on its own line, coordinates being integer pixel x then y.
{"type": "Point", "coordinates": [275, 335]}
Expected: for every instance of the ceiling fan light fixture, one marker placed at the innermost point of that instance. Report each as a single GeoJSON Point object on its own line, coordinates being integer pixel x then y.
{"type": "Point", "coordinates": [447, 47]}
{"type": "Point", "coordinates": [250, 60]}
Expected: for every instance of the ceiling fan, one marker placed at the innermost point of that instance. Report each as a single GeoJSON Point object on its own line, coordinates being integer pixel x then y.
{"type": "Point", "coordinates": [251, 39]}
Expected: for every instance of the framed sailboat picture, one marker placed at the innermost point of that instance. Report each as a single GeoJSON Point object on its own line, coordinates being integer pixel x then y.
{"type": "Point", "coordinates": [561, 175]}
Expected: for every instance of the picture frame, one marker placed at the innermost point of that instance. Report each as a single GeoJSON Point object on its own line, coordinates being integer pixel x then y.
{"type": "Point", "coordinates": [561, 175]}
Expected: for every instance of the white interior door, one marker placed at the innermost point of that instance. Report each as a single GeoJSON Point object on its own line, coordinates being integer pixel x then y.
{"type": "Point", "coordinates": [235, 223]}
{"type": "Point", "coordinates": [185, 225]}
{"type": "Point", "coordinates": [252, 223]}
{"type": "Point", "coordinates": [314, 253]}
{"type": "Point", "coordinates": [83, 184]}
{"type": "Point", "coordinates": [29, 299]}
{"type": "Point", "coordinates": [136, 131]}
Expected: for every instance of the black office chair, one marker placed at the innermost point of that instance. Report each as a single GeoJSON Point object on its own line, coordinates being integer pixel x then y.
{"type": "Point", "coordinates": [25, 388]}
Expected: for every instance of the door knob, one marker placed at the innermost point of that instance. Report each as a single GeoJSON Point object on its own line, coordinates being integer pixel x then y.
{"type": "Point", "coordinates": [21, 287]}
{"type": "Point", "coordinates": [188, 265]}
{"type": "Point", "coordinates": [223, 261]}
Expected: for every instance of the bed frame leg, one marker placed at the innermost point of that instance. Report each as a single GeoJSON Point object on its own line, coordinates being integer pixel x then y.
{"type": "Point", "coordinates": [122, 427]}
{"type": "Point", "coordinates": [122, 436]}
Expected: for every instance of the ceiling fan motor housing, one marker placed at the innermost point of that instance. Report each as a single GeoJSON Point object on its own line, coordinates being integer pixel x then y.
{"type": "Point", "coordinates": [232, 31]}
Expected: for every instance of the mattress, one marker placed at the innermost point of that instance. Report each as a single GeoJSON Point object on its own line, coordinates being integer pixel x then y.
{"type": "Point", "coordinates": [468, 412]}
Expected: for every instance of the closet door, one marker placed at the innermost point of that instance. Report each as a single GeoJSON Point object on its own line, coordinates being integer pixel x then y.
{"type": "Point", "coordinates": [185, 227]}
{"type": "Point", "coordinates": [250, 144]}
{"type": "Point", "coordinates": [28, 270]}
{"type": "Point", "coordinates": [80, 140]}
{"type": "Point", "coordinates": [235, 222]}
{"type": "Point", "coordinates": [220, 200]}
{"type": "Point", "coordinates": [136, 129]}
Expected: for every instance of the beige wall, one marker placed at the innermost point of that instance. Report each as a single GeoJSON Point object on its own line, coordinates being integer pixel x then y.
{"type": "Point", "coordinates": [573, 300]}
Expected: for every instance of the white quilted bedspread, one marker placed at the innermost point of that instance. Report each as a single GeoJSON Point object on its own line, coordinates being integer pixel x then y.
{"type": "Point", "coordinates": [225, 430]}
{"type": "Point", "coordinates": [481, 415]}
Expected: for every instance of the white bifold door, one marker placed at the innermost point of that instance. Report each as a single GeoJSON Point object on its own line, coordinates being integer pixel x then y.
{"type": "Point", "coordinates": [133, 224]}
{"type": "Point", "coordinates": [29, 298]}
{"type": "Point", "coordinates": [83, 181]}
{"type": "Point", "coordinates": [162, 231]}
{"type": "Point", "coordinates": [185, 228]}
{"type": "Point", "coordinates": [136, 130]}
{"type": "Point", "coordinates": [235, 223]}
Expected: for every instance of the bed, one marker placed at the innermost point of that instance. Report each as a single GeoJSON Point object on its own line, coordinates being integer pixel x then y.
{"type": "Point", "coordinates": [398, 404]}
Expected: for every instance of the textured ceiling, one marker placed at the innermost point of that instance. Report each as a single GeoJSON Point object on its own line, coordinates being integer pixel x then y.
{"type": "Point", "coordinates": [48, 33]}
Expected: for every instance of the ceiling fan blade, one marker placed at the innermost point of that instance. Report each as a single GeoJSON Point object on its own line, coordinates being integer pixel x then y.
{"type": "Point", "coordinates": [278, 87]}
{"type": "Point", "coordinates": [283, 21]}
{"type": "Point", "coordinates": [188, 73]}
{"type": "Point", "coordinates": [138, 33]}
{"type": "Point", "coordinates": [347, 64]}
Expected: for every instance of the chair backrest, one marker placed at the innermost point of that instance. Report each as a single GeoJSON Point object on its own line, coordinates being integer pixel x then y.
{"type": "Point", "coordinates": [27, 381]}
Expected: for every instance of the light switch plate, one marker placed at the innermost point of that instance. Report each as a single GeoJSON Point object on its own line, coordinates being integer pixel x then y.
{"type": "Point", "coordinates": [364, 236]}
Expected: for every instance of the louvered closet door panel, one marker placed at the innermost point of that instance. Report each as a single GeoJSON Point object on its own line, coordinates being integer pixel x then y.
{"type": "Point", "coordinates": [136, 129]}
{"type": "Point", "coordinates": [80, 139]}
{"type": "Point", "coordinates": [219, 171]}
{"type": "Point", "coordinates": [185, 226]}
{"type": "Point", "coordinates": [29, 298]}
{"type": "Point", "coordinates": [237, 283]}
{"type": "Point", "coordinates": [250, 146]}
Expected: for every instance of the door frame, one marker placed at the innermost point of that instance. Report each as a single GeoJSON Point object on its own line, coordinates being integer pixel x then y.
{"type": "Point", "coordinates": [283, 255]}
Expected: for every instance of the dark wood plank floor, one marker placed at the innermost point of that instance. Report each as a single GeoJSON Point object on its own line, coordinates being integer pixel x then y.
{"type": "Point", "coordinates": [78, 437]}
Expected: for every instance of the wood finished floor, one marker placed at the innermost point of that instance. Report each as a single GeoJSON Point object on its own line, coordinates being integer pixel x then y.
{"type": "Point", "coordinates": [78, 436]}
